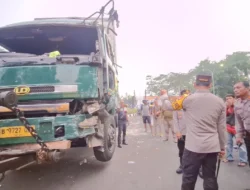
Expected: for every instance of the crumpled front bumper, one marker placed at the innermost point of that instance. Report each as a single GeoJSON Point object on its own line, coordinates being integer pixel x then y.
{"type": "Point", "coordinates": [46, 128]}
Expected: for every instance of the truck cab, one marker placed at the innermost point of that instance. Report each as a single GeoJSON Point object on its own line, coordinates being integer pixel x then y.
{"type": "Point", "coordinates": [67, 87]}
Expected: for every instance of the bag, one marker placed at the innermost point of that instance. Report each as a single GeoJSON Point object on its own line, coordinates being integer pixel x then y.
{"type": "Point", "coordinates": [178, 103]}
{"type": "Point", "coordinates": [167, 114]}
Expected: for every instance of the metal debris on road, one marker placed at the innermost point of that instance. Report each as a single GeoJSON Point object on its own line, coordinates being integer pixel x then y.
{"type": "Point", "coordinates": [140, 142]}
{"type": "Point", "coordinates": [131, 162]}
{"type": "Point", "coordinates": [84, 161]}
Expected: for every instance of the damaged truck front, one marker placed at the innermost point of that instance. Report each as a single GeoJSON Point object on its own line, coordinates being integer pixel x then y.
{"type": "Point", "coordinates": [66, 99]}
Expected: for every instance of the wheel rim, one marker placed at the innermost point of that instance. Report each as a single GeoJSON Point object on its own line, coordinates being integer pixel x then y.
{"type": "Point", "coordinates": [111, 139]}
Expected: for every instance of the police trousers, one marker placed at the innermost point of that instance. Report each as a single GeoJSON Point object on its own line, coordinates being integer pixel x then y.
{"type": "Point", "coordinates": [191, 165]}
{"type": "Point", "coordinates": [181, 147]}
{"type": "Point", "coordinates": [168, 125]}
{"type": "Point", "coordinates": [157, 125]}
{"type": "Point", "coordinates": [122, 130]}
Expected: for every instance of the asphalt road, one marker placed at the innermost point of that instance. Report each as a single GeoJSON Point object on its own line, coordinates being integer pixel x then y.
{"type": "Point", "coordinates": [146, 163]}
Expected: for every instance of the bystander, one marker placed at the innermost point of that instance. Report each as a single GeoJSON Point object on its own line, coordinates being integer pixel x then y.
{"type": "Point", "coordinates": [242, 113]}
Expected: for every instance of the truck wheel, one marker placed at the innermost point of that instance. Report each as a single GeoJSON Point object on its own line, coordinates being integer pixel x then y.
{"type": "Point", "coordinates": [109, 141]}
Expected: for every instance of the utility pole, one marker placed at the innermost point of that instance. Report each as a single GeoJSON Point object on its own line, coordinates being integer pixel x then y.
{"type": "Point", "coordinates": [213, 83]}
{"type": "Point", "coordinates": [179, 82]}
{"type": "Point", "coordinates": [133, 100]}
{"type": "Point", "coordinates": [145, 94]}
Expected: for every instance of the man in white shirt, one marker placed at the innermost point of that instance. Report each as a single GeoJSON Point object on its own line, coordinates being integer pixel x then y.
{"type": "Point", "coordinates": [146, 116]}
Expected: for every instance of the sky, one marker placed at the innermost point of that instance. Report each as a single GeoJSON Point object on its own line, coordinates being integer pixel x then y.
{"type": "Point", "coordinates": [154, 37]}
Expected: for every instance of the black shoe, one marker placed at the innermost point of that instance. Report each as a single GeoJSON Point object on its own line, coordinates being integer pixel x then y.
{"type": "Point", "coordinates": [124, 143]}
{"type": "Point", "coordinates": [119, 146]}
{"type": "Point", "coordinates": [179, 170]}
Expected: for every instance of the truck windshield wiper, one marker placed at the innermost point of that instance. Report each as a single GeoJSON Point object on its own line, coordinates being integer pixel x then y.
{"type": "Point", "coordinates": [4, 63]}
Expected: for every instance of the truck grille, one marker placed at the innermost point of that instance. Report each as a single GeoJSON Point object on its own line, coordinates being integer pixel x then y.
{"type": "Point", "coordinates": [37, 89]}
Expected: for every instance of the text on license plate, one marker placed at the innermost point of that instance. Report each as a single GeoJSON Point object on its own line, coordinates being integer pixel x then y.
{"type": "Point", "coordinates": [14, 131]}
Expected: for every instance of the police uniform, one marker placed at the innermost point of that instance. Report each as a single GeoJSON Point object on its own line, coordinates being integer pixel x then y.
{"type": "Point", "coordinates": [166, 119]}
{"type": "Point", "coordinates": [205, 117]}
{"type": "Point", "coordinates": [242, 114]}
{"type": "Point", "coordinates": [157, 120]}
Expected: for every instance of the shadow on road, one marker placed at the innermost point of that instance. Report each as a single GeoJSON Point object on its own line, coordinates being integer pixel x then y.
{"type": "Point", "coordinates": [52, 176]}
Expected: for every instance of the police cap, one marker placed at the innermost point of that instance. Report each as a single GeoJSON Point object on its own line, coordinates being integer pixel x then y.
{"type": "Point", "coordinates": [203, 80]}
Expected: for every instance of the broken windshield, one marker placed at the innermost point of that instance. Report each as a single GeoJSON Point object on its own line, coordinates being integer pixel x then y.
{"type": "Point", "coordinates": [3, 50]}
{"type": "Point", "coordinates": [45, 39]}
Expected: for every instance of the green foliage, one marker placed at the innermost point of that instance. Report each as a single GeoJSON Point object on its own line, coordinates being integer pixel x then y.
{"type": "Point", "coordinates": [129, 100]}
{"type": "Point", "coordinates": [132, 111]}
{"type": "Point", "coordinates": [226, 73]}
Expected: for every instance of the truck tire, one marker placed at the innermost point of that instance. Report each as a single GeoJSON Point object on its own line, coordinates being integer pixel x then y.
{"type": "Point", "coordinates": [109, 141]}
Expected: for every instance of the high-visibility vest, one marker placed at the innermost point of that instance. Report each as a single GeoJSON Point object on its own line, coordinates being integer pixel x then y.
{"type": "Point", "coordinates": [54, 54]}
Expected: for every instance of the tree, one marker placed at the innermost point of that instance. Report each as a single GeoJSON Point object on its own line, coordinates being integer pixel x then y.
{"type": "Point", "coordinates": [235, 67]}
{"type": "Point", "coordinates": [130, 100]}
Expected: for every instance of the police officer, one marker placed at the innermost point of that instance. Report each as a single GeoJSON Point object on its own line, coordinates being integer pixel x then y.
{"type": "Point", "coordinates": [205, 117]}
{"type": "Point", "coordinates": [180, 131]}
{"type": "Point", "coordinates": [242, 113]}
{"type": "Point", "coordinates": [167, 118]}
{"type": "Point", "coordinates": [146, 115]}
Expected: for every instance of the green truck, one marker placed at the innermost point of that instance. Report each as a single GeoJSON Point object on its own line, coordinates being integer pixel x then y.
{"type": "Point", "coordinates": [65, 82]}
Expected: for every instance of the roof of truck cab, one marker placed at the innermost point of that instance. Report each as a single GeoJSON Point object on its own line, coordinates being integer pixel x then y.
{"type": "Point", "coordinates": [53, 21]}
